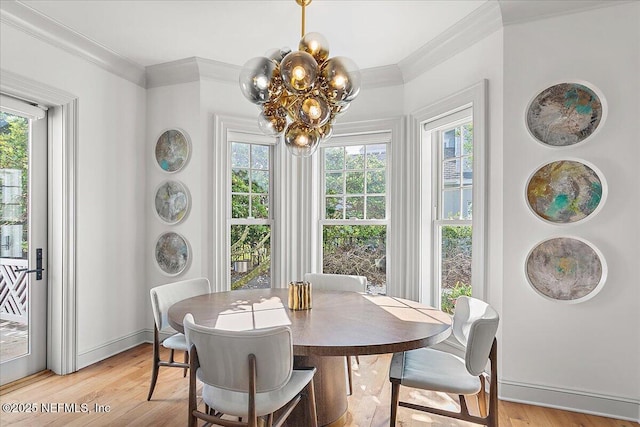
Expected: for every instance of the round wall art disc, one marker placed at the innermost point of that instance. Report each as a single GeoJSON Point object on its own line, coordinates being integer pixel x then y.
{"type": "Point", "coordinates": [172, 253]}
{"type": "Point", "coordinates": [564, 114]}
{"type": "Point", "coordinates": [172, 150]}
{"type": "Point", "coordinates": [564, 191]}
{"type": "Point", "coordinates": [566, 269]}
{"type": "Point", "coordinates": [172, 202]}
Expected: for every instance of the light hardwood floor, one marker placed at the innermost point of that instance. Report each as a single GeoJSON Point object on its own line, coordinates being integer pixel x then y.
{"type": "Point", "coordinates": [121, 383]}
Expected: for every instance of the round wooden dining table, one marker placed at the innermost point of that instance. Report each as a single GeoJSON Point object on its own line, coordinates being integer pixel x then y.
{"type": "Point", "coordinates": [339, 324]}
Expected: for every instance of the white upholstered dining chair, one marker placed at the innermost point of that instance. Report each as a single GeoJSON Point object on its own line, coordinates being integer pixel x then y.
{"type": "Point", "coordinates": [339, 282]}
{"type": "Point", "coordinates": [474, 325]}
{"type": "Point", "coordinates": [163, 297]}
{"type": "Point", "coordinates": [248, 374]}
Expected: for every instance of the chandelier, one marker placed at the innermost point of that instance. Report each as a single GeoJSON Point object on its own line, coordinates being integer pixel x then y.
{"type": "Point", "coordinates": [300, 93]}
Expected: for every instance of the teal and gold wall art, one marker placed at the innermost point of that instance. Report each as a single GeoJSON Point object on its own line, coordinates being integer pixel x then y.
{"type": "Point", "coordinates": [172, 150]}
{"type": "Point", "coordinates": [566, 269]}
{"type": "Point", "coordinates": [564, 191]}
{"type": "Point", "coordinates": [564, 114]}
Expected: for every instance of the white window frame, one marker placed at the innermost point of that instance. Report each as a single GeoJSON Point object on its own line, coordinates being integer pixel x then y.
{"type": "Point", "coordinates": [474, 98]}
{"type": "Point", "coordinates": [371, 136]}
{"type": "Point", "coordinates": [230, 129]}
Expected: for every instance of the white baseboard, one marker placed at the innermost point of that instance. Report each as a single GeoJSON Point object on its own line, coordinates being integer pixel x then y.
{"type": "Point", "coordinates": [113, 347]}
{"type": "Point", "coordinates": [571, 400]}
{"type": "Point", "coordinates": [116, 346]}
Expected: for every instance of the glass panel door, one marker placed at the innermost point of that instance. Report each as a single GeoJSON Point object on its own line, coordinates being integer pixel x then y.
{"type": "Point", "coordinates": [23, 245]}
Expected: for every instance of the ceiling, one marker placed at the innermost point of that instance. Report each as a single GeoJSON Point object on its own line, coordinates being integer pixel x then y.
{"type": "Point", "coordinates": [373, 33]}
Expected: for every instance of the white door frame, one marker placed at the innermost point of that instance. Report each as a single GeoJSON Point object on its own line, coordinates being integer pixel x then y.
{"type": "Point", "coordinates": [62, 144]}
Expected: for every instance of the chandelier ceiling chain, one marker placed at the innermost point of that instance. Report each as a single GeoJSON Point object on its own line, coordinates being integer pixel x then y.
{"type": "Point", "coordinates": [300, 93]}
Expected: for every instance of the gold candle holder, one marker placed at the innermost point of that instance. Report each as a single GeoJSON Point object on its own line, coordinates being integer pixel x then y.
{"type": "Point", "coordinates": [299, 295]}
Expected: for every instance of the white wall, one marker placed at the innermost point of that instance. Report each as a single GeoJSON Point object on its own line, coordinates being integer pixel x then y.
{"type": "Point", "coordinates": [191, 108]}
{"type": "Point", "coordinates": [173, 107]}
{"type": "Point", "coordinates": [110, 195]}
{"type": "Point", "coordinates": [375, 103]}
{"type": "Point", "coordinates": [589, 353]}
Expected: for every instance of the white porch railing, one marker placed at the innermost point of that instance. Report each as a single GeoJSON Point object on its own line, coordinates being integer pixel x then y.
{"type": "Point", "coordinates": [14, 292]}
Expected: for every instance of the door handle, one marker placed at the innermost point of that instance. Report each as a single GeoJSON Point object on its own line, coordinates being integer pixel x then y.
{"type": "Point", "coordinates": [38, 270]}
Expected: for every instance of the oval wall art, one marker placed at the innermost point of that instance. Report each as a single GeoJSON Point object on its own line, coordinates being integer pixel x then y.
{"type": "Point", "coordinates": [564, 114]}
{"type": "Point", "coordinates": [565, 191]}
{"type": "Point", "coordinates": [172, 150]}
{"type": "Point", "coordinates": [172, 202]}
{"type": "Point", "coordinates": [566, 269]}
{"type": "Point", "coordinates": [172, 253]}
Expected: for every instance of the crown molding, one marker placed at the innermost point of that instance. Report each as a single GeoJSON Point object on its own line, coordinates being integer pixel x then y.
{"type": "Point", "coordinates": [26, 19]}
{"type": "Point", "coordinates": [191, 70]}
{"type": "Point", "coordinates": [220, 71]}
{"type": "Point", "coordinates": [474, 27]}
{"type": "Point", "coordinates": [522, 12]}
{"type": "Point", "coordinates": [172, 73]}
{"type": "Point", "coordinates": [388, 75]}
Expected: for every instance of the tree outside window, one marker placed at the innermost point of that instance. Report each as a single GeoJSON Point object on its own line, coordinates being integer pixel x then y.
{"type": "Point", "coordinates": [250, 216]}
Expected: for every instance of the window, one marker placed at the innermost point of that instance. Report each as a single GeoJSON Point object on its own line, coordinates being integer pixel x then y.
{"type": "Point", "coordinates": [453, 199]}
{"type": "Point", "coordinates": [354, 215]}
{"type": "Point", "coordinates": [452, 137]}
{"type": "Point", "coordinates": [452, 246]}
{"type": "Point", "coordinates": [251, 215]}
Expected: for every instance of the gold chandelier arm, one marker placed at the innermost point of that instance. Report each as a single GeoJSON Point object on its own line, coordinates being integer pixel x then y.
{"type": "Point", "coordinates": [303, 4]}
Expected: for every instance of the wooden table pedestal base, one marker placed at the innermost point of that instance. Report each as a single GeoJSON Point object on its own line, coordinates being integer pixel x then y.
{"type": "Point", "coordinates": [330, 388]}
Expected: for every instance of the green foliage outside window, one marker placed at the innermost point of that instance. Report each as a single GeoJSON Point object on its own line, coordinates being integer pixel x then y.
{"type": "Point", "coordinates": [448, 301]}
{"type": "Point", "coordinates": [357, 250]}
{"type": "Point", "coordinates": [250, 243]}
{"type": "Point", "coordinates": [355, 188]}
{"type": "Point", "coordinates": [456, 264]}
{"type": "Point", "coordinates": [14, 154]}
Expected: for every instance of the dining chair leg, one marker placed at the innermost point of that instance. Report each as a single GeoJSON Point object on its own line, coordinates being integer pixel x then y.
{"type": "Point", "coordinates": [192, 406]}
{"type": "Point", "coordinates": [194, 364]}
{"type": "Point", "coordinates": [395, 396]}
{"type": "Point", "coordinates": [482, 398]}
{"type": "Point", "coordinates": [358, 360]}
{"type": "Point", "coordinates": [311, 401]}
{"type": "Point", "coordinates": [493, 386]}
{"type": "Point", "coordinates": [464, 410]}
{"type": "Point", "coordinates": [350, 375]}
{"type": "Point", "coordinates": [186, 361]}
{"type": "Point", "coordinates": [156, 363]}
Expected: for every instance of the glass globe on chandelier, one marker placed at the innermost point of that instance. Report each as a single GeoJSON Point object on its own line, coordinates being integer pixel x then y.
{"type": "Point", "coordinates": [300, 93]}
